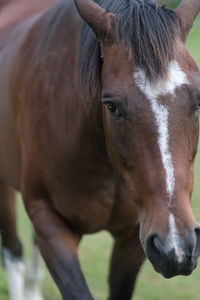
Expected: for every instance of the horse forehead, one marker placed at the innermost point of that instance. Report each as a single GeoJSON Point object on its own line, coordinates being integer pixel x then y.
{"type": "Point", "coordinates": [175, 78]}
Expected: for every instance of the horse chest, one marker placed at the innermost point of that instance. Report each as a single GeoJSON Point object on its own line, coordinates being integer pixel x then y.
{"type": "Point", "coordinates": [90, 207]}
{"type": "Point", "coordinates": [86, 210]}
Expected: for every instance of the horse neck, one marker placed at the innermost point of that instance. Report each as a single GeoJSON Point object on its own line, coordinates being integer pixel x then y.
{"type": "Point", "coordinates": [53, 54]}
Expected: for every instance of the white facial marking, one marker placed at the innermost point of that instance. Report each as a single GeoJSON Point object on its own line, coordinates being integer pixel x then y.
{"type": "Point", "coordinates": [34, 276]}
{"type": "Point", "coordinates": [14, 269]}
{"type": "Point", "coordinates": [174, 239]}
{"type": "Point", "coordinates": [176, 78]}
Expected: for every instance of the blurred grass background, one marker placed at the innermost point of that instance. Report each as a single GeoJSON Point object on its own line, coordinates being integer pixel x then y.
{"type": "Point", "coordinates": [95, 249]}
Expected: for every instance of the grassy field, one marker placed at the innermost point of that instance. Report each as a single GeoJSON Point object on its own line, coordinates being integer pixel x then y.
{"type": "Point", "coordinates": [95, 250]}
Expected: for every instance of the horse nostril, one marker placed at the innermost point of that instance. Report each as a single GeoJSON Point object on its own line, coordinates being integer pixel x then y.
{"type": "Point", "coordinates": [154, 248]}
{"type": "Point", "coordinates": [154, 243]}
{"type": "Point", "coordinates": [196, 250]}
{"type": "Point", "coordinates": [158, 244]}
{"type": "Point", "coordinates": [197, 232]}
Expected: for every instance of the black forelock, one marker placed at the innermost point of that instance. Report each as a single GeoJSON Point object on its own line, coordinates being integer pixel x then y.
{"type": "Point", "coordinates": [147, 30]}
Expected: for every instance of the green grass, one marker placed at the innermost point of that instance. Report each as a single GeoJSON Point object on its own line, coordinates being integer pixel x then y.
{"type": "Point", "coordinates": [193, 42]}
{"type": "Point", "coordinates": [95, 249]}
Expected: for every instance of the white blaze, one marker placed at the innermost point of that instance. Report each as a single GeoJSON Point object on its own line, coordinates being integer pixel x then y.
{"type": "Point", "coordinates": [176, 78]}
{"type": "Point", "coordinates": [174, 239]}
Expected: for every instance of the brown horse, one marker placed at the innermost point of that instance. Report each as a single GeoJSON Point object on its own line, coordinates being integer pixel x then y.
{"type": "Point", "coordinates": [99, 128]}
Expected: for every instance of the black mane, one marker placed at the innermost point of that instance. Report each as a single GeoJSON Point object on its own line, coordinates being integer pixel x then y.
{"type": "Point", "coordinates": [146, 29]}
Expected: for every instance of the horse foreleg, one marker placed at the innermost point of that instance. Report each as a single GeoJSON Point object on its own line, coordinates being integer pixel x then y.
{"type": "Point", "coordinates": [58, 245]}
{"type": "Point", "coordinates": [34, 275]}
{"type": "Point", "coordinates": [11, 245]}
{"type": "Point", "coordinates": [127, 258]}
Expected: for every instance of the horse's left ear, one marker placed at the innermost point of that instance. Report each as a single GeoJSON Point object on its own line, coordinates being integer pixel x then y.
{"type": "Point", "coordinates": [187, 12]}
{"type": "Point", "coordinates": [100, 21]}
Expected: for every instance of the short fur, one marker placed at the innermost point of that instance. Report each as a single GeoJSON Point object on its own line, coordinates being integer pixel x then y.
{"type": "Point", "coordinates": [56, 151]}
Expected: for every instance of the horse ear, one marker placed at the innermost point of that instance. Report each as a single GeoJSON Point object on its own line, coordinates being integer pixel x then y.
{"type": "Point", "coordinates": [187, 12]}
{"type": "Point", "coordinates": [100, 21]}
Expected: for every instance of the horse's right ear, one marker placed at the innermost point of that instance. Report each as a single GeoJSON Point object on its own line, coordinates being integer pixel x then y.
{"type": "Point", "coordinates": [100, 21]}
{"type": "Point", "coordinates": [187, 12]}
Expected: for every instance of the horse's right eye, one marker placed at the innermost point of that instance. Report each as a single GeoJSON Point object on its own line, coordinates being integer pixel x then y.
{"type": "Point", "coordinates": [198, 107]}
{"type": "Point", "coordinates": [112, 107]}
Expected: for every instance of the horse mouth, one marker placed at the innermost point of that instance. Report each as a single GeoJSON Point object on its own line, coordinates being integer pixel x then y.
{"type": "Point", "coordinates": [169, 270]}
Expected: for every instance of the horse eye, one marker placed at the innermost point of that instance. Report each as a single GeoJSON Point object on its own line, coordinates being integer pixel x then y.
{"type": "Point", "coordinates": [198, 108]}
{"type": "Point", "coordinates": [112, 107]}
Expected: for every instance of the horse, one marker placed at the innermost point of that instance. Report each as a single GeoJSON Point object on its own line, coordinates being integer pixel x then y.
{"type": "Point", "coordinates": [99, 129]}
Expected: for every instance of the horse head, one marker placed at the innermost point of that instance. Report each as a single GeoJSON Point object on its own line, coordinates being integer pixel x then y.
{"type": "Point", "coordinates": [150, 94]}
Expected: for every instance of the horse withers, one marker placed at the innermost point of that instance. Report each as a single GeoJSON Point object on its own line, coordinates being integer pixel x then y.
{"type": "Point", "coordinates": [99, 130]}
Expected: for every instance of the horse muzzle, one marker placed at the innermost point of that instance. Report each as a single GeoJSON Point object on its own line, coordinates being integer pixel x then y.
{"type": "Point", "coordinates": [174, 256]}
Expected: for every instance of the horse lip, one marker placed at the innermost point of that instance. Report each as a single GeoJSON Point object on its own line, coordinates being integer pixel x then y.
{"type": "Point", "coordinates": [171, 275]}
{"type": "Point", "coordinates": [181, 271]}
